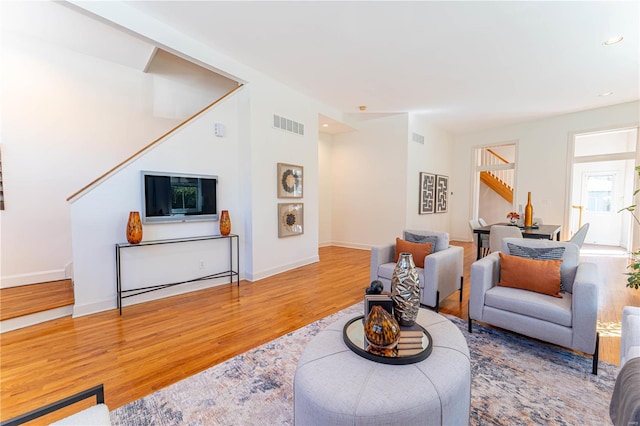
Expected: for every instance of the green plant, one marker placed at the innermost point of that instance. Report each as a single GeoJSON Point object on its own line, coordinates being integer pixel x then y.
{"type": "Point", "coordinates": [633, 280]}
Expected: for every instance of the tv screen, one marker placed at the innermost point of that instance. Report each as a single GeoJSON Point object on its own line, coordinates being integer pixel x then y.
{"type": "Point", "coordinates": [172, 197]}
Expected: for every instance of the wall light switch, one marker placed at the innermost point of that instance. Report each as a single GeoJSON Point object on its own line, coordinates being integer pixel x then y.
{"type": "Point", "coordinates": [218, 129]}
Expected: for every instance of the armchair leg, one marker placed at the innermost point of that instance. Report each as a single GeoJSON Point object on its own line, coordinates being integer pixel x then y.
{"type": "Point", "coordinates": [470, 325]}
{"type": "Point", "coordinates": [461, 287]}
{"type": "Point", "coordinates": [594, 368]}
{"type": "Point", "coordinates": [437, 301]}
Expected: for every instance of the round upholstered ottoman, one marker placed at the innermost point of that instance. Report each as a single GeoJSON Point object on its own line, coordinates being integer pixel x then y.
{"type": "Point", "coordinates": [335, 386]}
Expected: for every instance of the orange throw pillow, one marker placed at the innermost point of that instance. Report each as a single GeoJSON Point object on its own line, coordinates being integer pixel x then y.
{"type": "Point", "coordinates": [417, 250]}
{"type": "Point", "coordinates": [541, 276]}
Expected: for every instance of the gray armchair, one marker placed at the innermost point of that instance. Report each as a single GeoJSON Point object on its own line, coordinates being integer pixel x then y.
{"type": "Point", "coordinates": [442, 272]}
{"type": "Point", "coordinates": [569, 321]}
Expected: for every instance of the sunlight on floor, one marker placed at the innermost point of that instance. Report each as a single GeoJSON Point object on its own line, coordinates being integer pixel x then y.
{"type": "Point", "coordinates": [609, 329]}
{"type": "Point", "coordinates": [598, 250]}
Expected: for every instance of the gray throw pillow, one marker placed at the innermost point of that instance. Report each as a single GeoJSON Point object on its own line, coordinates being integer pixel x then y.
{"type": "Point", "coordinates": [422, 239]}
{"type": "Point", "coordinates": [537, 253]}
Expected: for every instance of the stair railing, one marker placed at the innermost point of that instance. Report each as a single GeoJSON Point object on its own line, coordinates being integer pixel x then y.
{"type": "Point", "coordinates": [490, 158]}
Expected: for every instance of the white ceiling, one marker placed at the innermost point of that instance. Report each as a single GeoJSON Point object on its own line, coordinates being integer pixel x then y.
{"type": "Point", "coordinates": [466, 65]}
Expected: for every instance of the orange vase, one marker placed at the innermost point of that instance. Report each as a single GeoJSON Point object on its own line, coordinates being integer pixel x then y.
{"type": "Point", "coordinates": [528, 213]}
{"type": "Point", "coordinates": [225, 223]}
{"type": "Point", "coordinates": [134, 228]}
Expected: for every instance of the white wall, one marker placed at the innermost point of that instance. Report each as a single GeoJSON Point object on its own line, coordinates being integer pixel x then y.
{"type": "Point", "coordinates": [435, 156]}
{"type": "Point", "coordinates": [270, 146]}
{"type": "Point", "coordinates": [99, 215]}
{"type": "Point", "coordinates": [375, 179]}
{"type": "Point", "coordinates": [541, 161]}
{"type": "Point", "coordinates": [67, 117]}
{"type": "Point", "coordinates": [369, 183]}
{"type": "Point", "coordinates": [325, 173]}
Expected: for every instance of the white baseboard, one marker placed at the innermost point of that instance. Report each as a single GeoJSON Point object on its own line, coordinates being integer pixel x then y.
{"type": "Point", "coordinates": [32, 278]}
{"type": "Point", "coordinates": [351, 245]}
{"type": "Point", "coordinates": [33, 319]}
{"type": "Point", "coordinates": [282, 268]}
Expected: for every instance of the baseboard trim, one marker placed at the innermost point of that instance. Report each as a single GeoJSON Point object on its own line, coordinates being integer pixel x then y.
{"type": "Point", "coordinates": [282, 268]}
{"type": "Point", "coordinates": [33, 278]}
{"type": "Point", "coordinates": [36, 318]}
{"type": "Point", "coordinates": [352, 245]}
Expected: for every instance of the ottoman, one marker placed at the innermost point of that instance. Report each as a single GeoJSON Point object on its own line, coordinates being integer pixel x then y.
{"type": "Point", "coordinates": [335, 386]}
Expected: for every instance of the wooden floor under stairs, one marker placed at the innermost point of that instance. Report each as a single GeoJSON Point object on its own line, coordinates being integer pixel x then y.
{"type": "Point", "coordinates": [33, 298]}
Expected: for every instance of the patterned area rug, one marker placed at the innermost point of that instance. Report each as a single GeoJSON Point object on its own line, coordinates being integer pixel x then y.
{"type": "Point", "coordinates": [515, 381]}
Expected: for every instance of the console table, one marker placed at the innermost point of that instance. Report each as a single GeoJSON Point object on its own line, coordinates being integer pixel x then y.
{"type": "Point", "coordinates": [231, 272]}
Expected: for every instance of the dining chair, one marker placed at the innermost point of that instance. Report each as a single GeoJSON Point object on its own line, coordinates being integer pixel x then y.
{"type": "Point", "coordinates": [482, 239]}
{"type": "Point", "coordinates": [580, 235]}
{"type": "Point", "coordinates": [499, 232]}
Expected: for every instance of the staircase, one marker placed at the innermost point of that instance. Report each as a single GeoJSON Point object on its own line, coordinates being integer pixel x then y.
{"type": "Point", "coordinates": [499, 180]}
{"type": "Point", "coordinates": [29, 304]}
{"type": "Point", "coordinates": [497, 185]}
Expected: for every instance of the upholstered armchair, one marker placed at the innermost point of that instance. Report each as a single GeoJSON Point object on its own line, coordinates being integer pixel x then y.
{"type": "Point", "coordinates": [442, 272]}
{"type": "Point", "coordinates": [529, 299]}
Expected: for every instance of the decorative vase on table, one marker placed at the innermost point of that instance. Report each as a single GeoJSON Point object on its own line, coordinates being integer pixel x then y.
{"type": "Point", "coordinates": [528, 212]}
{"type": "Point", "coordinates": [134, 228]}
{"type": "Point", "coordinates": [382, 332]}
{"type": "Point", "coordinates": [405, 290]}
{"type": "Point", "coordinates": [225, 223]}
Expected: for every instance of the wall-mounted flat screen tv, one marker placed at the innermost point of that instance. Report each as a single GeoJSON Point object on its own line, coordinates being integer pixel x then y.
{"type": "Point", "coordinates": [178, 197]}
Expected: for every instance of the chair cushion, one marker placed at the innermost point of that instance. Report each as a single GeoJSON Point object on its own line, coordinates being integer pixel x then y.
{"type": "Point", "coordinates": [417, 250]}
{"type": "Point", "coordinates": [386, 271]}
{"type": "Point", "coordinates": [531, 304]}
{"type": "Point", "coordinates": [570, 257]}
{"type": "Point", "coordinates": [541, 276]}
{"type": "Point", "coordinates": [440, 240]}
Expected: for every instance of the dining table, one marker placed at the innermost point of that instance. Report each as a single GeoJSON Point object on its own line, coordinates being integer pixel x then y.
{"type": "Point", "coordinates": [543, 232]}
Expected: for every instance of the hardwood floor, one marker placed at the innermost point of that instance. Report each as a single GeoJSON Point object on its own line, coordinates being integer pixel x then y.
{"type": "Point", "coordinates": [23, 300]}
{"type": "Point", "coordinates": [155, 344]}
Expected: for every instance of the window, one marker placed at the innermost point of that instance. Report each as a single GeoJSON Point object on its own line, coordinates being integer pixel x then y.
{"type": "Point", "coordinates": [599, 192]}
{"type": "Point", "coordinates": [184, 195]}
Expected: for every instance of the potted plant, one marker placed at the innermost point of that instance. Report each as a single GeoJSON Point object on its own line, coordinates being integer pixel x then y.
{"type": "Point", "coordinates": [634, 275]}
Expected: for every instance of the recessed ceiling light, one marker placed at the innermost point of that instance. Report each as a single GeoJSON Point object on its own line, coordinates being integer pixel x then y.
{"type": "Point", "coordinates": [606, 94]}
{"type": "Point", "coordinates": [325, 125]}
{"type": "Point", "coordinates": [613, 40]}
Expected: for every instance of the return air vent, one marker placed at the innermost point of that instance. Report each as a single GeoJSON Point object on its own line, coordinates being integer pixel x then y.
{"type": "Point", "coordinates": [288, 125]}
{"type": "Point", "coordinates": [418, 138]}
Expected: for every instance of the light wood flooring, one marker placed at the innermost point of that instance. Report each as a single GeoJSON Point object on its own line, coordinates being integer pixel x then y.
{"type": "Point", "coordinates": [155, 344]}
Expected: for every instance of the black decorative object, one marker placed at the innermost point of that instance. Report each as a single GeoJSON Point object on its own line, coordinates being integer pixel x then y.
{"type": "Point", "coordinates": [375, 287]}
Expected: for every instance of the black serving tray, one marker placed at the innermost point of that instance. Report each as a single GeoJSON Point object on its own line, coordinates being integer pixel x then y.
{"type": "Point", "coordinates": [353, 335]}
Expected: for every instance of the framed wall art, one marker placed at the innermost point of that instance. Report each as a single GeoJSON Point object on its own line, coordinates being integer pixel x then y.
{"type": "Point", "coordinates": [442, 189]}
{"type": "Point", "coordinates": [427, 193]}
{"type": "Point", "coordinates": [289, 181]}
{"type": "Point", "coordinates": [290, 219]}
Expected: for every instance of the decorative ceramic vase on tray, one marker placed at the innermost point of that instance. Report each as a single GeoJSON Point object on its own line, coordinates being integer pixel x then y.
{"type": "Point", "coordinates": [382, 332]}
{"type": "Point", "coordinates": [405, 290]}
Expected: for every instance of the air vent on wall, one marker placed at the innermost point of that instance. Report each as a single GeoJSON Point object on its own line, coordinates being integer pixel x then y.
{"type": "Point", "coordinates": [288, 125]}
{"type": "Point", "coordinates": [418, 138]}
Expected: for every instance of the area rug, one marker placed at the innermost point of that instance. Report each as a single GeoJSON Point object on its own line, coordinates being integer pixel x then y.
{"type": "Point", "coordinates": [515, 381]}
